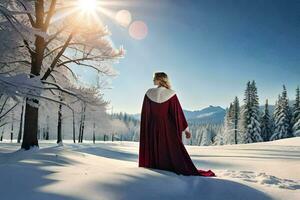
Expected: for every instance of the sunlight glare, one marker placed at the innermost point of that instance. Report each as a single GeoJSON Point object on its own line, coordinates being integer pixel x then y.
{"type": "Point", "coordinates": [87, 5]}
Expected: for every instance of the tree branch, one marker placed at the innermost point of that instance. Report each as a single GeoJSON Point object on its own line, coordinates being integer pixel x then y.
{"type": "Point", "coordinates": [3, 105]}
{"type": "Point", "coordinates": [49, 15]}
{"type": "Point", "coordinates": [28, 47]}
{"type": "Point", "coordinates": [32, 22]}
{"type": "Point", "coordinates": [56, 59]}
{"type": "Point", "coordinates": [55, 35]}
{"type": "Point", "coordinates": [1, 116]}
{"type": "Point", "coordinates": [59, 47]}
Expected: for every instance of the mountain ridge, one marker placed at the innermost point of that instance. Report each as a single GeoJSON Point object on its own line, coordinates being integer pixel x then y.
{"type": "Point", "coordinates": [210, 114]}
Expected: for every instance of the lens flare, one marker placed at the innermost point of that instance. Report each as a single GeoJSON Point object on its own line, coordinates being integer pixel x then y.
{"type": "Point", "coordinates": [123, 17]}
{"type": "Point", "coordinates": [138, 30]}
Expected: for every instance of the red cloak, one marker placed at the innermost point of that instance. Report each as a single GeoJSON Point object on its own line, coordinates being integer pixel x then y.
{"type": "Point", "coordinates": [161, 144]}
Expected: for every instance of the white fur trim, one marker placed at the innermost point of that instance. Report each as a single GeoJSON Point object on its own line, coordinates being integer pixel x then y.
{"type": "Point", "coordinates": [160, 94]}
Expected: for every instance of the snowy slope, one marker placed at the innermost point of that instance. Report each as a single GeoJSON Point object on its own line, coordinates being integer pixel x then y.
{"type": "Point", "coordinates": [210, 115]}
{"type": "Point", "coordinates": [108, 170]}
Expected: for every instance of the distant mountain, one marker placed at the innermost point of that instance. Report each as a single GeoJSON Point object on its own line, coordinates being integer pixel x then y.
{"type": "Point", "coordinates": [211, 114]}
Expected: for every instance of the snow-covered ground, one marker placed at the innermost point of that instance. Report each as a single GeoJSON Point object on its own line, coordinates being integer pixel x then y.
{"type": "Point", "coordinates": [108, 170]}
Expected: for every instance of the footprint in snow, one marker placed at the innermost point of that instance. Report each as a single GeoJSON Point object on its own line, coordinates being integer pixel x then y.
{"type": "Point", "coordinates": [262, 178]}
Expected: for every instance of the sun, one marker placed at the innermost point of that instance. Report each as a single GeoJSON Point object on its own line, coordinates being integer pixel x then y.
{"type": "Point", "coordinates": [87, 6]}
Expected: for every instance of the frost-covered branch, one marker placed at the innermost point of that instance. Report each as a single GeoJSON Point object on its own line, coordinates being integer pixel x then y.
{"type": "Point", "coordinates": [56, 59]}
{"type": "Point", "coordinates": [50, 14]}
{"type": "Point", "coordinates": [7, 111]}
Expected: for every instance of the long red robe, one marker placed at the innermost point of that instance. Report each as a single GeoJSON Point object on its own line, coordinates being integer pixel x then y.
{"type": "Point", "coordinates": [161, 144]}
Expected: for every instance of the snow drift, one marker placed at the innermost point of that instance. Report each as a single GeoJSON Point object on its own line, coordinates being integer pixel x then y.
{"type": "Point", "coordinates": [108, 170]}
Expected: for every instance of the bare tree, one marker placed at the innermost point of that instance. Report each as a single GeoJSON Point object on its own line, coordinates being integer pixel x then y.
{"type": "Point", "coordinates": [6, 108]}
{"type": "Point", "coordinates": [48, 36]}
{"type": "Point", "coordinates": [91, 111]}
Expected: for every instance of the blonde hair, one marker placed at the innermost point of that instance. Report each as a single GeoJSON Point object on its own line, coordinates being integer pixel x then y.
{"type": "Point", "coordinates": [162, 79]}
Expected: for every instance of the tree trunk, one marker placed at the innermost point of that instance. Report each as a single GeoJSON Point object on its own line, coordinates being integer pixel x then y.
{"type": "Point", "coordinates": [235, 132]}
{"type": "Point", "coordinates": [59, 123]}
{"type": "Point", "coordinates": [21, 125]}
{"type": "Point", "coordinates": [12, 131]}
{"type": "Point", "coordinates": [47, 128]}
{"type": "Point", "coordinates": [1, 138]}
{"type": "Point", "coordinates": [32, 112]}
{"type": "Point", "coordinates": [73, 127]}
{"type": "Point", "coordinates": [82, 122]}
{"type": "Point", "coordinates": [44, 133]}
{"type": "Point", "coordinates": [30, 125]}
{"type": "Point", "coordinates": [82, 128]}
{"type": "Point", "coordinates": [94, 137]}
{"type": "Point", "coordinates": [59, 126]}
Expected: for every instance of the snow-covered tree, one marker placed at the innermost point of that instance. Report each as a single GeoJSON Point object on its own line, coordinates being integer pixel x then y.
{"type": "Point", "coordinates": [231, 122]}
{"type": "Point", "coordinates": [219, 139]}
{"type": "Point", "coordinates": [90, 113]}
{"type": "Point", "coordinates": [231, 131]}
{"type": "Point", "coordinates": [206, 134]}
{"type": "Point", "coordinates": [228, 125]}
{"type": "Point", "coordinates": [296, 114]}
{"type": "Point", "coordinates": [132, 130]}
{"type": "Point", "coordinates": [282, 117]}
{"type": "Point", "coordinates": [236, 118]}
{"type": "Point", "coordinates": [43, 37]}
{"type": "Point", "coordinates": [266, 123]}
{"type": "Point", "coordinates": [206, 138]}
{"type": "Point", "coordinates": [7, 104]}
{"type": "Point", "coordinates": [198, 137]}
{"type": "Point", "coordinates": [250, 121]}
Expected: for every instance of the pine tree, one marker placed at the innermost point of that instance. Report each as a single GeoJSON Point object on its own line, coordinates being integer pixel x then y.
{"type": "Point", "coordinates": [245, 115]}
{"type": "Point", "coordinates": [236, 118]}
{"type": "Point", "coordinates": [198, 137]}
{"type": "Point", "coordinates": [282, 117]}
{"type": "Point", "coordinates": [288, 112]}
{"type": "Point", "coordinates": [219, 138]}
{"type": "Point", "coordinates": [228, 126]}
{"type": "Point", "coordinates": [231, 123]}
{"type": "Point", "coordinates": [206, 137]}
{"type": "Point", "coordinates": [250, 115]}
{"type": "Point", "coordinates": [266, 124]}
{"type": "Point", "coordinates": [296, 114]}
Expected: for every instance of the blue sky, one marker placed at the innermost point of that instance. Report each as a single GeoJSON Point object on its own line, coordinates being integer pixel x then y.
{"type": "Point", "coordinates": [210, 49]}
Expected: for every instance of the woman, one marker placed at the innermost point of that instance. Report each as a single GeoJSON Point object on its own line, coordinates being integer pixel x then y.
{"type": "Point", "coordinates": [162, 124]}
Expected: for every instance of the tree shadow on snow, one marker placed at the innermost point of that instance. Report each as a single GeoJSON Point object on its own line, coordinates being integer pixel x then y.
{"type": "Point", "coordinates": [207, 164]}
{"type": "Point", "coordinates": [24, 173]}
{"type": "Point", "coordinates": [167, 185]}
{"type": "Point", "coordinates": [106, 152]}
